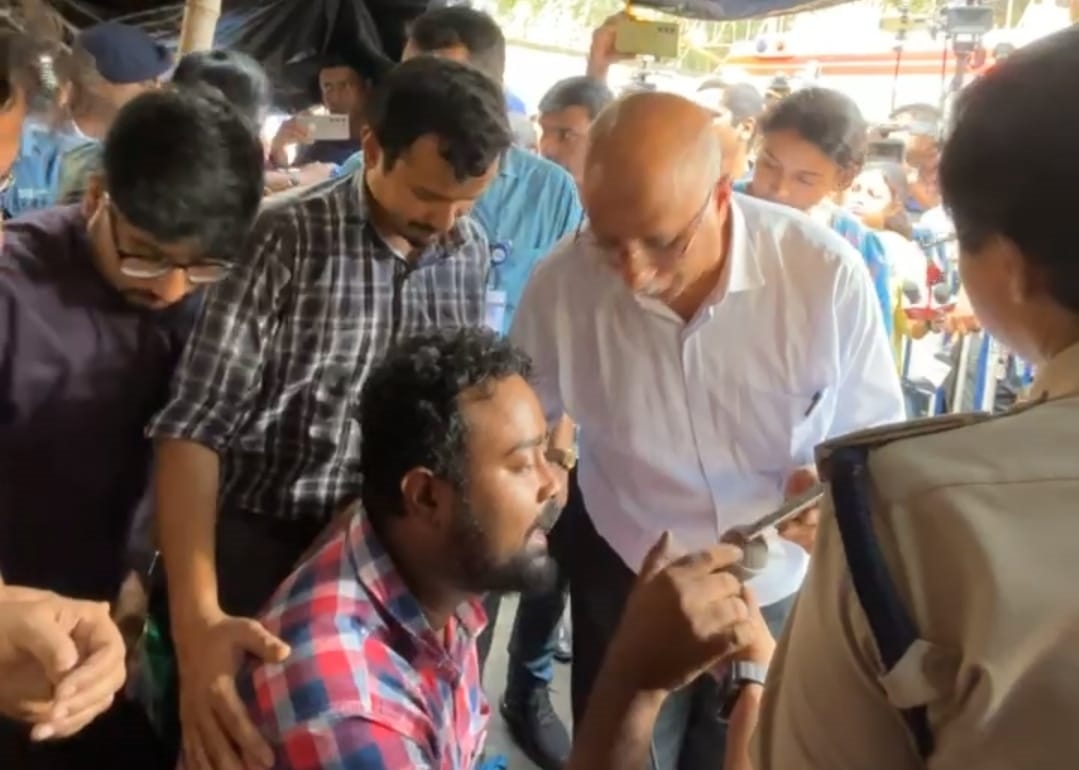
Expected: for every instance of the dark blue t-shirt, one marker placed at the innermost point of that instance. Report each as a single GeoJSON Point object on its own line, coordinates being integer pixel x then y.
{"type": "Point", "coordinates": [81, 373]}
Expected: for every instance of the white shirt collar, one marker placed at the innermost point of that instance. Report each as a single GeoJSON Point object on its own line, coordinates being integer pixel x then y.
{"type": "Point", "coordinates": [743, 271]}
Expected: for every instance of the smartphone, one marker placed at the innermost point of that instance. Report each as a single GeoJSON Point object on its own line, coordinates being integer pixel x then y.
{"type": "Point", "coordinates": [887, 151]}
{"type": "Point", "coordinates": [641, 37]}
{"type": "Point", "coordinates": [790, 509]}
{"type": "Point", "coordinates": [322, 128]}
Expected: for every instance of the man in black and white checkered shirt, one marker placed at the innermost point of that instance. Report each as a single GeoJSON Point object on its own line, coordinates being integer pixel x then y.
{"type": "Point", "coordinates": [258, 447]}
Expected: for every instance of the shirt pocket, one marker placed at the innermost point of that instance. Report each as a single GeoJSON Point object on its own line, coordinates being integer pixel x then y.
{"type": "Point", "coordinates": [777, 429]}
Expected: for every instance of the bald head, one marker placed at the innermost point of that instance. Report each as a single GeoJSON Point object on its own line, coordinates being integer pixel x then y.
{"type": "Point", "coordinates": [647, 138]}
{"type": "Point", "coordinates": [653, 192]}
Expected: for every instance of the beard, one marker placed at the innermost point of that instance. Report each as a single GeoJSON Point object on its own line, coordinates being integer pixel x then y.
{"type": "Point", "coordinates": [529, 570]}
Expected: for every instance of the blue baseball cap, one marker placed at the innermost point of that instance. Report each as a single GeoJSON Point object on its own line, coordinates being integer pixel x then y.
{"type": "Point", "coordinates": [124, 54]}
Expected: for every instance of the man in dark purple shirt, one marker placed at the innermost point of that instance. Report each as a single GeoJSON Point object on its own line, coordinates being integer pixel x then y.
{"type": "Point", "coordinates": [95, 302]}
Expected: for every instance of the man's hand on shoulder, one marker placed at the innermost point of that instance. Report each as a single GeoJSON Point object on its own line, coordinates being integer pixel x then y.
{"type": "Point", "coordinates": [217, 732]}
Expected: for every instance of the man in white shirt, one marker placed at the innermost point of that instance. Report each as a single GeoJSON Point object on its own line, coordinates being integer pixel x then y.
{"type": "Point", "coordinates": [704, 343]}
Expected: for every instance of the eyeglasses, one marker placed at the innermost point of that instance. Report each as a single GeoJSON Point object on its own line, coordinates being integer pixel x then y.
{"type": "Point", "coordinates": [148, 267]}
{"type": "Point", "coordinates": [667, 253]}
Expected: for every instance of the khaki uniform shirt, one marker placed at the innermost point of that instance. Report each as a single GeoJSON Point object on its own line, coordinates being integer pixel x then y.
{"type": "Point", "coordinates": [980, 528]}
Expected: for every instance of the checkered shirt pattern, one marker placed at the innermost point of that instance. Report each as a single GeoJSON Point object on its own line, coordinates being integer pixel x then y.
{"type": "Point", "coordinates": [272, 373]}
{"type": "Point", "coordinates": [368, 685]}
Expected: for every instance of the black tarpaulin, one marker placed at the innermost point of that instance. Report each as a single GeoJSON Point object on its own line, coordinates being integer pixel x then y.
{"type": "Point", "coordinates": [289, 37]}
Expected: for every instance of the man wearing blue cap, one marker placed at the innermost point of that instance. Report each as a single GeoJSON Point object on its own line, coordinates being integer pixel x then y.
{"type": "Point", "coordinates": [125, 62]}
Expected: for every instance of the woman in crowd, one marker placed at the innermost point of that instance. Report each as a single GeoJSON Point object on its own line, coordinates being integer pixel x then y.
{"type": "Point", "coordinates": [876, 198]}
{"type": "Point", "coordinates": [812, 146]}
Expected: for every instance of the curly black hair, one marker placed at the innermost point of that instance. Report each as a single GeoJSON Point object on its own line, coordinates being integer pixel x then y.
{"type": "Point", "coordinates": [457, 103]}
{"type": "Point", "coordinates": [184, 163]}
{"type": "Point", "coordinates": [410, 410]}
{"type": "Point", "coordinates": [827, 119]}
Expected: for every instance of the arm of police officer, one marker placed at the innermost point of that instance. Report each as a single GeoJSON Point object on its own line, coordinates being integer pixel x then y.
{"type": "Point", "coordinates": [825, 673]}
{"type": "Point", "coordinates": [682, 617]}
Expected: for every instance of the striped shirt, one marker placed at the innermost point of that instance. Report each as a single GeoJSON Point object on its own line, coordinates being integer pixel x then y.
{"type": "Point", "coordinates": [272, 374]}
{"type": "Point", "coordinates": [369, 684]}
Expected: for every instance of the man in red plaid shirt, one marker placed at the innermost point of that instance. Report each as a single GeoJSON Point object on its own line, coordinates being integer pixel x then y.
{"type": "Point", "coordinates": [456, 496]}
{"type": "Point", "coordinates": [382, 671]}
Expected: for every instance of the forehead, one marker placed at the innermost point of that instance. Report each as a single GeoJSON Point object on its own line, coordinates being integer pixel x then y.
{"type": "Point", "coordinates": [574, 115]}
{"type": "Point", "coordinates": [136, 242]}
{"type": "Point", "coordinates": [632, 211]}
{"type": "Point", "coordinates": [454, 52]}
{"type": "Point", "coordinates": [872, 178]}
{"type": "Point", "coordinates": [501, 416]}
{"type": "Point", "coordinates": [337, 74]}
{"type": "Point", "coordinates": [921, 142]}
{"type": "Point", "coordinates": [790, 149]}
{"type": "Point", "coordinates": [422, 165]}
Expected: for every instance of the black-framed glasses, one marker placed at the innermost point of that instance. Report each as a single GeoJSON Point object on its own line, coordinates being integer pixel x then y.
{"type": "Point", "coordinates": [672, 251]}
{"type": "Point", "coordinates": [150, 266]}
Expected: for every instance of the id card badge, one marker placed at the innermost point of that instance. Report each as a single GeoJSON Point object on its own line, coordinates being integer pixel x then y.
{"type": "Point", "coordinates": [496, 310]}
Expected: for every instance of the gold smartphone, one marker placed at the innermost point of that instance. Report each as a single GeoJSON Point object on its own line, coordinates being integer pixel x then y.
{"type": "Point", "coordinates": [643, 37]}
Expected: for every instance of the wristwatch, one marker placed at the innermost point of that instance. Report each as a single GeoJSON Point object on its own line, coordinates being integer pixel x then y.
{"type": "Point", "coordinates": [563, 458]}
{"type": "Point", "coordinates": [739, 674]}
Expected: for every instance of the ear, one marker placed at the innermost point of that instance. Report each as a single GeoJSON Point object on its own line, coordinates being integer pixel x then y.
{"type": "Point", "coordinates": [94, 195]}
{"type": "Point", "coordinates": [427, 497]}
{"type": "Point", "coordinates": [746, 129]}
{"type": "Point", "coordinates": [846, 177]}
{"type": "Point", "coordinates": [1025, 281]}
{"type": "Point", "coordinates": [372, 150]}
{"type": "Point", "coordinates": [723, 191]}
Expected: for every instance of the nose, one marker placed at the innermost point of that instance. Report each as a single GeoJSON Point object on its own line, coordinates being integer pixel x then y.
{"type": "Point", "coordinates": [172, 287]}
{"type": "Point", "coordinates": [635, 272]}
{"type": "Point", "coordinates": [550, 486]}
{"type": "Point", "coordinates": [443, 218]}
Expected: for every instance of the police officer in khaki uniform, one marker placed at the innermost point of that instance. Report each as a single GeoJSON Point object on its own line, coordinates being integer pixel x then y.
{"type": "Point", "coordinates": [939, 623]}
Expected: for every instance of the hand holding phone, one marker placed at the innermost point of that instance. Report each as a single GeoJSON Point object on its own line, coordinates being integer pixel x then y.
{"type": "Point", "coordinates": [321, 128]}
{"type": "Point", "coordinates": [792, 508]}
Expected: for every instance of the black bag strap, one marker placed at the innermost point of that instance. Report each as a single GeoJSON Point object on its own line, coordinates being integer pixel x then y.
{"type": "Point", "coordinates": [889, 621]}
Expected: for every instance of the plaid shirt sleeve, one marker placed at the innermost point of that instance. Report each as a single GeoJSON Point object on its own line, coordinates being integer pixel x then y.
{"type": "Point", "coordinates": [222, 365]}
{"type": "Point", "coordinates": [350, 743]}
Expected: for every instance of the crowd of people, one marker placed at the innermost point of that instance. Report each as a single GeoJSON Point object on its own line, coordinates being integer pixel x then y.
{"type": "Point", "coordinates": [282, 421]}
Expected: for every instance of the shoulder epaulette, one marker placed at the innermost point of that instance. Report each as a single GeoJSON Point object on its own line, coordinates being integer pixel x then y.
{"type": "Point", "coordinates": [876, 437]}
